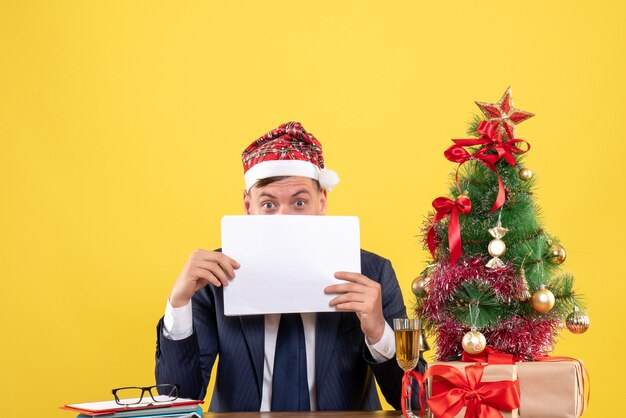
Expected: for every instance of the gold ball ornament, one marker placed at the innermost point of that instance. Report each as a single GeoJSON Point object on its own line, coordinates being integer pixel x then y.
{"type": "Point", "coordinates": [556, 254]}
{"type": "Point", "coordinates": [543, 300]}
{"type": "Point", "coordinates": [525, 174]}
{"type": "Point", "coordinates": [473, 342]}
{"type": "Point", "coordinates": [419, 286]}
{"type": "Point", "coordinates": [577, 322]}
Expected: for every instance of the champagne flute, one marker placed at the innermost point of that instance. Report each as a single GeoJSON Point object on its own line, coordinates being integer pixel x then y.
{"type": "Point", "coordinates": [407, 332]}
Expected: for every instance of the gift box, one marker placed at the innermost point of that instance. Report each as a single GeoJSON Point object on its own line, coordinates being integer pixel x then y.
{"type": "Point", "coordinates": [476, 388]}
{"type": "Point", "coordinates": [552, 388]}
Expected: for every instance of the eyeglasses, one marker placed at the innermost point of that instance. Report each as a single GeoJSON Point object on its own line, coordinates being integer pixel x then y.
{"type": "Point", "coordinates": [133, 395]}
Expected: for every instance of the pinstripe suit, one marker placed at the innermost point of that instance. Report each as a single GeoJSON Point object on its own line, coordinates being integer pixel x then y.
{"type": "Point", "coordinates": [343, 364]}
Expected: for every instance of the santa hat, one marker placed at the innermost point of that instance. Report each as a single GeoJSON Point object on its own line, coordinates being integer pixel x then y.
{"type": "Point", "coordinates": [288, 150]}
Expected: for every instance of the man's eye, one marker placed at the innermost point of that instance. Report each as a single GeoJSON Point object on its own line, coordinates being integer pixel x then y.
{"type": "Point", "coordinates": [300, 203]}
{"type": "Point", "coordinates": [268, 205]}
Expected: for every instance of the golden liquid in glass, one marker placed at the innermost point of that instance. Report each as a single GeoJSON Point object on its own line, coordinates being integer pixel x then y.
{"type": "Point", "coordinates": [407, 348]}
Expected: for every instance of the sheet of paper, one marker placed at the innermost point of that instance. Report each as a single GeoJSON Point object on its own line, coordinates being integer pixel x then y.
{"type": "Point", "coordinates": [287, 261]}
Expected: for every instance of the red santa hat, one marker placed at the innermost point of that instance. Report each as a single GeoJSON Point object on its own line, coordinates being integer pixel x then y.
{"type": "Point", "coordinates": [288, 150]}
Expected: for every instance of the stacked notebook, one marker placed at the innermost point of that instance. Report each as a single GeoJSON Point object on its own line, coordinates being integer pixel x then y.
{"type": "Point", "coordinates": [179, 408]}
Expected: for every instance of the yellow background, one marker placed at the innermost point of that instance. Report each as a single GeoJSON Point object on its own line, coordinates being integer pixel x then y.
{"type": "Point", "coordinates": [121, 125]}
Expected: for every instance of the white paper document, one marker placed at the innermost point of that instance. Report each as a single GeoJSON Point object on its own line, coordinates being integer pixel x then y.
{"type": "Point", "coordinates": [287, 261]}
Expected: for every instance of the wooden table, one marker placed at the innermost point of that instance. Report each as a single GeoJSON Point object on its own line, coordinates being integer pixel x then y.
{"type": "Point", "coordinates": [318, 414]}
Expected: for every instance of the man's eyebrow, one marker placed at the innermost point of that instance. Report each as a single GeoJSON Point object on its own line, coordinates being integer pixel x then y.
{"type": "Point", "coordinates": [265, 194]}
{"type": "Point", "coordinates": [301, 191]}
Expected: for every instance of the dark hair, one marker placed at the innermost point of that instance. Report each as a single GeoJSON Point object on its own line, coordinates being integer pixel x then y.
{"type": "Point", "coordinates": [269, 180]}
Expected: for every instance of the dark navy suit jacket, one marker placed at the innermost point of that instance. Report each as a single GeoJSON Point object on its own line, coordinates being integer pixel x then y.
{"type": "Point", "coordinates": [343, 363]}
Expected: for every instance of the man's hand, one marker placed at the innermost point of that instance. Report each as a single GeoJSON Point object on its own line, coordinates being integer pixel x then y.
{"type": "Point", "coordinates": [202, 268]}
{"type": "Point", "coordinates": [363, 296]}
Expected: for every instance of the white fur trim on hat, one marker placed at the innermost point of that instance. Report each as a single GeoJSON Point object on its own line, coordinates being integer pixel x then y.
{"type": "Point", "coordinates": [327, 178]}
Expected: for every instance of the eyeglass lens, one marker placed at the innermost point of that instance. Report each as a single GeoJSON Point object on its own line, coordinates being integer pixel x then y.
{"type": "Point", "coordinates": [135, 395]}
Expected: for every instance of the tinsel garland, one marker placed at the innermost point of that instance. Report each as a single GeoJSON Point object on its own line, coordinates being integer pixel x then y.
{"type": "Point", "coordinates": [525, 336]}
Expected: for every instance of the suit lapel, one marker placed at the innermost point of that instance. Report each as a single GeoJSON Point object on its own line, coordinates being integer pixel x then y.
{"type": "Point", "coordinates": [326, 328]}
{"type": "Point", "coordinates": [254, 331]}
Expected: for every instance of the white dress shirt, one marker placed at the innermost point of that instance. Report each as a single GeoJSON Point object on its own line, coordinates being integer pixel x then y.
{"type": "Point", "coordinates": [178, 325]}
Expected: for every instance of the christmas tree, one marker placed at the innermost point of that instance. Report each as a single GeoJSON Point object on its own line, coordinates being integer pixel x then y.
{"type": "Point", "coordinates": [495, 278]}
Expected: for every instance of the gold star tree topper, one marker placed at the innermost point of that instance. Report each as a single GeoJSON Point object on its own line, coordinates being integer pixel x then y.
{"type": "Point", "coordinates": [504, 114]}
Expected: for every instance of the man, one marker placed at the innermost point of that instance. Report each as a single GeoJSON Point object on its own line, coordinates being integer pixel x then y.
{"type": "Point", "coordinates": [306, 361]}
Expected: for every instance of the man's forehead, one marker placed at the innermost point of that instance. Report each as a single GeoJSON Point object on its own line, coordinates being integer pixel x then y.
{"type": "Point", "coordinates": [288, 185]}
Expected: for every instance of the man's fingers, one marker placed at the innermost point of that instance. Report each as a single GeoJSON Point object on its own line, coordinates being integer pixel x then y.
{"type": "Point", "coordinates": [356, 282]}
{"type": "Point", "coordinates": [206, 276]}
{"type": "Point", "coordinates": [213, 256]}
{"type": "Point", "coordinates": [201, 254]}
{"type": "Point", "coordinates": [200, 283]}
{"type": "Point", "coordinates": [345, 288]}
{"type": "Point", "coordinates": [348, 297]}
{"type": "Point", "coordinates": [216, 269]}
{"type": "Point", "coordinates": [214, 272]}
{"type": "Point", "coordinates": [350, 306]}
{"type": "Point", "coordinates": [227, 263]}
{"type": "Point", "coordinates": [355, 278]}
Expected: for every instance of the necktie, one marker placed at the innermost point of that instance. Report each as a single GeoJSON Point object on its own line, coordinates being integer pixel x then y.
{"type": "Point", "coordinates": [290, 389]}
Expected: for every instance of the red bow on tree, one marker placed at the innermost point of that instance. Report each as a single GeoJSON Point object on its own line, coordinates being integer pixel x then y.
{"type": "Point", "coordinates": [444, 207]}
{"type": "Point", "coordinates": [491, 141]}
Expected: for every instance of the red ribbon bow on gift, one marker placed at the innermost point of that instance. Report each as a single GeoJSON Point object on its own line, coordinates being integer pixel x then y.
{"type": "Point", "coordinates": [490, 356]}
{"type": "Point", "coordinates": [491, 141]}
{"type": "Point", "coordinates": [481, 399]}
{"type": "Point", "coordinates": [407, 390]}
{"type": "Point", "coordinates": [444, 207]}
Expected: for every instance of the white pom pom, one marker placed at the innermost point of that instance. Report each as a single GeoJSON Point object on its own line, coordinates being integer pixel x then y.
{"type": "Point", "coordinates": [328, 179]}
